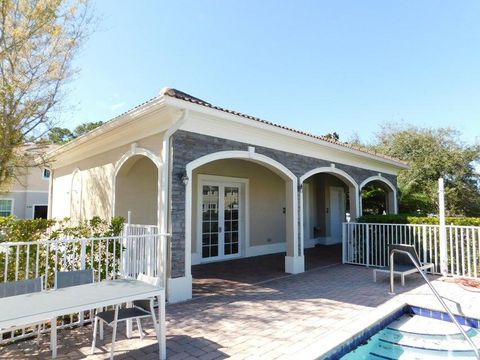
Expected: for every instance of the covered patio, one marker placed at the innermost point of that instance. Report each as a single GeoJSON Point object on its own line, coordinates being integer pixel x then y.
{"type": "Point", "coordinates": [301, 315]}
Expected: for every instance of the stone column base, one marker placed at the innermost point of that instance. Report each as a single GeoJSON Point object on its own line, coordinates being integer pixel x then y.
{"type": "Point", "coordinates": [179, 289]}
{"type": "Point", "coordinates": [294, 264]}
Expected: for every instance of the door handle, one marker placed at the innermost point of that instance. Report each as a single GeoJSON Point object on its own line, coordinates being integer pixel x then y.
{"type": "Point", "coordinates": [219, 229]}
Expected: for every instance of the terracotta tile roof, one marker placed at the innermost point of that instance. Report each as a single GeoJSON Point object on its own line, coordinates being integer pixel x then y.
{"type": "Point", "coordinates": [186, 97]}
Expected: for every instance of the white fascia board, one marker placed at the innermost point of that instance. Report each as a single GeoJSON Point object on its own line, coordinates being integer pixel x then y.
{"type": "Point", "coordinates": [241, 132]}
{"type": "Point", "coordinates": [219, 114]}
{"type": "Point", "coordinates": [133, 115]}
{"type": "Point", "coordinates": [123, 133]}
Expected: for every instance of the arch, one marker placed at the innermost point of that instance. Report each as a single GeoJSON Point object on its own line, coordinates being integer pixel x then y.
{"type": "Point", "coordinates": [351, 183]}
{"type": "Point", "coordinates": [139, 152]}
{"type": "Point", "coordinates": [378, 178]}
{"type": "Point", "coordinates": [331, 170]}
{"type": "Point", "coordinates": [294, 261]}
{"type": "Point", "coordinates": [251, 155]}
{"type": "Point", "coordinates": [392, 195]}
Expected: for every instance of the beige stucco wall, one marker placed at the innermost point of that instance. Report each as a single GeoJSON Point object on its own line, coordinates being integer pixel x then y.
{"type": "Point", "coordinates": [136, 191]}
{"type": "Point", "coordinates": [97, 174]}
{"type": "Point", "coordinates": [266, 199]}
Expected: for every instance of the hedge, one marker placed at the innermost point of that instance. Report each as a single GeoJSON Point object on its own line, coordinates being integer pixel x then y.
{"type": "Point", "coordinates": [414, 219]}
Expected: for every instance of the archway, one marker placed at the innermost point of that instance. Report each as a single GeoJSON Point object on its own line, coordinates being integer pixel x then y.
{"type": "Point", "coordinates": [294, 262]}
{"type": "Point", "coordinates": [136, 190]}
{"type": "Point", "coordinates": [378, 196]}
{"type": "Point", "coordinates": [329, 197]}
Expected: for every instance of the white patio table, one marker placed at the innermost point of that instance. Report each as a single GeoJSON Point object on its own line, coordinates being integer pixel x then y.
{"type": "Point", "coordinates": [22, 310]}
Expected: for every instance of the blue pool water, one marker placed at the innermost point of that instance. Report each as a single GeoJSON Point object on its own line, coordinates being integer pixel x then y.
{"type": "Point", "coordinates": [417, 337]}
{"type": "Point", "coordinates": [412, 333]}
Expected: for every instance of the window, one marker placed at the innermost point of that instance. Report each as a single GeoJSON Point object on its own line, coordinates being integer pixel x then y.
{"type": "Point", "coordinates": [46, 173]}
{"type": "Point", "coordinates": [6, 207]}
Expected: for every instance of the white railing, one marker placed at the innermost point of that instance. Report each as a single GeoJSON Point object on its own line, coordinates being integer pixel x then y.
{"type": "Point", "coordinates": [367, 244]}
{"type": "Point", "coordinates": [136, 250]}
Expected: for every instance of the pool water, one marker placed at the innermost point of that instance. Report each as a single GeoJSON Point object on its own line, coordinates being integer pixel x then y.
{"type": "Point", "coordinates": [417, 337]}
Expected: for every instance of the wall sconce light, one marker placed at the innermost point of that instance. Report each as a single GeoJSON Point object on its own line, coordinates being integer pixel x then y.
{"type": "Point", "coordinates": [184, 178]}
{"type": "Point", "coordinates": [347, 216]}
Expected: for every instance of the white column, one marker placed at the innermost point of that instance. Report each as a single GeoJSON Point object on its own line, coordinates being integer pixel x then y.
{"type": "Point", "coordinates": [443, 230]}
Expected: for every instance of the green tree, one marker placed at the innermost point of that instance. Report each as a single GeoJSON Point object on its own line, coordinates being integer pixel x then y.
{"type": "Point", "coordinates": [86, 127]}
{"type": "Point", "coordinates": [433, 153]}
{"type": "Point", "coordinates": [58, 135]}
{"type": "Point", "coordinates": [38, 41]}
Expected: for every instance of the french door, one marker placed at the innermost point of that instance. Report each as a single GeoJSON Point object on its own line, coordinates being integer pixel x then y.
{"type": "Point", "coordinates": [220, 220]}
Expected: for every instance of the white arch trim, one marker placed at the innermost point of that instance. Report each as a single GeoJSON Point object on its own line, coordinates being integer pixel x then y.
{"type": "Point", "coordinates": [331, 170]}
{"type": "Point", "coordinates": [378, 178]}
{"type": "Point", "coordinates": [245, 155]}
{"type": "Point", "coordinates": [388, 183]}
{"type": "Point", "coordinates": [137, 151]}
{"type": "Point", "coordinates": [293, 264]}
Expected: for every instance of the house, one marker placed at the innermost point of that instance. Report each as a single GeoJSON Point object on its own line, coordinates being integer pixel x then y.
{"type": "Point", "coordinates": [27, 197]}
{"type": "Point", "coordinates": [224, 184]}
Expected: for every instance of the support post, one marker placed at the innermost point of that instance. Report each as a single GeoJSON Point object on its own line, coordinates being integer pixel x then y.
{"type": "Point", "coordinates": [443, 229]}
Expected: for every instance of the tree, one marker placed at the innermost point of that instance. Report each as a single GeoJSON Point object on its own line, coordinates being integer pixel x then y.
{"type": "Point", "coordinates": [38, 40]}
{"type": "Point", "coordinates": [86, 127]}
{"type": "Point", "coordinates": [61, 136]}
{"type": "Point", "coordinates": [58, 135]}
{"type": "Point", "coordinates": [433, 153]}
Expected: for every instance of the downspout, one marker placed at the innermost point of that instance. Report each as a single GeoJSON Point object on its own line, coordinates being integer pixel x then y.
{"type": "Point", "coordinates": [165, 192]}
{"type": "Point", "coordinates": [50, 194]}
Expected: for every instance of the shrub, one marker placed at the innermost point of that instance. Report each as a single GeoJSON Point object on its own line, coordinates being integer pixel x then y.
{"type": "Point", "coordinates": [415, 219]}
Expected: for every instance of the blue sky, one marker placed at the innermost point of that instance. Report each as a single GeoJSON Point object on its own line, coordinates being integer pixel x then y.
{"type": "Point", "coordinates": [320, 66]}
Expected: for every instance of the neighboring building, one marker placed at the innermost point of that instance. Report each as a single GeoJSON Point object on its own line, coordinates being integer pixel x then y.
{"type": "Point", "coordinates": [28, 195]}
{"type": "Point", "coordinates": [224, 184]}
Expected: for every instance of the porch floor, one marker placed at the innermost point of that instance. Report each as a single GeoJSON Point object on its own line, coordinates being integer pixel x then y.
{"type": "Point", "coordinates": [223, 277]}
{"type": "Point", "coordinates": [297, 316]}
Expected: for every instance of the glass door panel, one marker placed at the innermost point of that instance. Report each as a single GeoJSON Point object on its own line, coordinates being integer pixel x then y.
{"type": "Point", "coordinates": [210, 218]}
{"type": "Point", "coordinates": [231, 218]}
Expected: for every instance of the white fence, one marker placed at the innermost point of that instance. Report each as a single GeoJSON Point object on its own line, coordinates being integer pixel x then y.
{"type": "Point", "coordinates": [367, 244]}
{"type": "Point", "coordinates": [136, 250]}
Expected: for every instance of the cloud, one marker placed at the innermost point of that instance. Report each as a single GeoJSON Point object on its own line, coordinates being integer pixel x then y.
{"type": "Point", "coordinates": [117, 106]}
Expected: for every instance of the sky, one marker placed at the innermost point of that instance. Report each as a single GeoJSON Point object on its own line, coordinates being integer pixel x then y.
{"type": "Point", "coordinates": [319, 66]}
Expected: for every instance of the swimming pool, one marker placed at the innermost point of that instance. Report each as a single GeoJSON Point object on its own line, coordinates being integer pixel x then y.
{"type": "Point", "coordinates": [412, 333]}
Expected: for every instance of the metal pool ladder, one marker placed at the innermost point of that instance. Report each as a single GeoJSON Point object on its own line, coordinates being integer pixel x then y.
{"type": "Point", "coordinates": [437, 295]}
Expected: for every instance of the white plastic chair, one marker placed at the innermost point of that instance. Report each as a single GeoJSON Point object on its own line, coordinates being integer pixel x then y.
{"type": "Point", "coordinates": [140, 309]}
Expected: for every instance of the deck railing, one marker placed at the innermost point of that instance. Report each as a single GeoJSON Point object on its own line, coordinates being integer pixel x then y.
{"type": "Point", "coordinates": [367, 244]}
{"type": "Point", "coordinates": [137, 250]}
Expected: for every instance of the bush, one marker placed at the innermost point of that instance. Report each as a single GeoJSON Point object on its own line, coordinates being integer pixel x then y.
{"type": "Point", "coordinates": [23, 230]}
{"type": "Point", "coordinates": [415, 219]}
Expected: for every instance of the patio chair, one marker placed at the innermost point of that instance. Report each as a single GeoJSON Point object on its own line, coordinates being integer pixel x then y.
{"type": "Point", "coordinates": [402, 263]}
{"type": "Point", "coordinates": [140, 309]}
{"type": "Point", "coordinates": [65, 279]}
{"type": "Point", "coordinates": [22, 287]}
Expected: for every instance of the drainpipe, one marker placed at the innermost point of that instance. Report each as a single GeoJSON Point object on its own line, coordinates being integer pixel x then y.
{"type": "Point", "coordinates": [165, 191]}
{"type": "Point", "coordinates": [50, 194]}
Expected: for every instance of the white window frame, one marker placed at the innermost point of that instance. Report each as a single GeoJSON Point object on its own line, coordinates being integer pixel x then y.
{"type": "Point", "coordinates": [12, 207]}
{"type": "Point", "coordinates": [244, 227]}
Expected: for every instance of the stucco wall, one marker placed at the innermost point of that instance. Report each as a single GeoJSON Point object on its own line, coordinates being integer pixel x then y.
{"type": "Point", "coordinates": [137, 191]}
{"type": "Point", "coordinates": [266, 199]}
{"type": "Point", "coordinates": [97, 174]}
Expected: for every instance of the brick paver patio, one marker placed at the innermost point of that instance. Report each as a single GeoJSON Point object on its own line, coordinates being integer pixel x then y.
{"type": "Point", "coordinates": [297, 316]}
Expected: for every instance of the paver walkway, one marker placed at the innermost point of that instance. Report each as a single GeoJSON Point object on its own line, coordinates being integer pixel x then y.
{"type": "Point", "coordinates": [276, 319]}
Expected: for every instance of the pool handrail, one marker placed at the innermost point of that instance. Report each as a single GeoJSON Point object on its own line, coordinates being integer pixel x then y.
{"type": "Point", "coordinates": [437, 295]}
